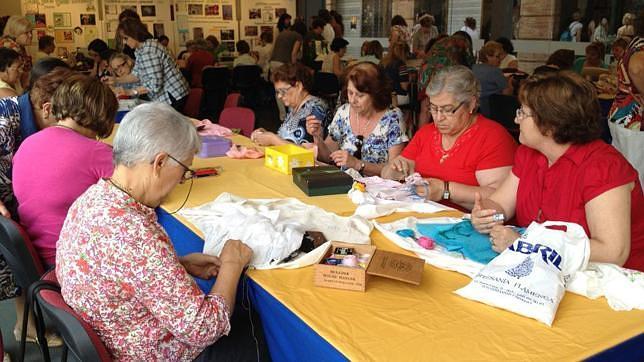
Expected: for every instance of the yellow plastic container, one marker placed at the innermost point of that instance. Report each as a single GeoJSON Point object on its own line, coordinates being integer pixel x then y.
{"type": "Point", "coordinates": [285, 157]}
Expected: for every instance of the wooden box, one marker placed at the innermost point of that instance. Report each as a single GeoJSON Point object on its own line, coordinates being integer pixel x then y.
{"type": "Point", "coordinates": [386, 264]}
{"type": "Point", "coordinates": [285, 157]}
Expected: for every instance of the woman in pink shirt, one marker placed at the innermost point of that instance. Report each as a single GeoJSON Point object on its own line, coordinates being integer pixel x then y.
{"type": "Point", "coordinates": [55, 166]}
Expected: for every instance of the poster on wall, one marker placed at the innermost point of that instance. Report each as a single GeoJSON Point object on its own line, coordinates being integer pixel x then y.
{"type": "Point", "coordinates": [227, 12]}
{"type": "Point", "coordinates": [195, 9]}
{"type": "Point", "coordinates": [90, 33]}
{"type": "Point", "coordinates": [212, 10]}
{"type": "Point", "coordinates": [64, 36]}
{"type": "Point", "coordinates": [62, 20]}
{"type": "Point", "coordinates": [159, 30]}
{"type": "Point", "coordinates": [88, 19]}
{"type": "Point", "coordinates": [110, 9]}
{"type": "Point", "coordinates": [148, 10]}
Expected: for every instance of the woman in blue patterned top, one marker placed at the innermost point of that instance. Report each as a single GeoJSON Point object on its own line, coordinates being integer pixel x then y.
{"type": "Point", "coordinates": [365, 132]}
{"type": "Point", "coordinates": [293, 83]}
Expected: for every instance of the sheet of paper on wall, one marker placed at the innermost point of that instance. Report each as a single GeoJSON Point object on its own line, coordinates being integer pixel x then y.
{"type": "Point", "coordinates": [90, 33]}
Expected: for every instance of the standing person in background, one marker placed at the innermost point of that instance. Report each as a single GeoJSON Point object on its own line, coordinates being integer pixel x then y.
{"type": "Point", "coordinates": [328, 33]}
{"type": "Point", "coordinates": [154, 67]}
{"type": "Point", "coordinates": [601, 32]}
{"type": "Point", "coordinates": [627, 30]}
{"type": "Point", "coordinates": [396, 70]}
{"type": "Point", "coordinates": [17, 35]}
{"type": "Point", "coordinates": [336, 23]}
{"type": "Point", "coordinates": [284, 22]}
{"type": "Point", "coordinates": [215, 47]}
{"type": "Point", "coordinates": [470, 27]}
{"type": "Point", "coordinates": [94, 50]}
{"type": "Point", "coordinates": [285, 51]}
{"type": "Point", "coordinates": [508, 60]}
{"type": "Point", "coordinates": [46, 46]}
{"type": "Point", "coordinates": [423, 35]}
{"type": "Point", "coordinates": [333, 61]}
{"type": "Point", "coordinates": [312, 38]}
{"type": "Point", "coordinates": [264, 52]}
{"type": "Point", "coordinates": [120, 44]}
{"type": "Point", "coordinates": [399, 31]}
{"type": "Point", "coordinates": [199, 58]}
{"type": "Point", "coordinates": [575, 28]}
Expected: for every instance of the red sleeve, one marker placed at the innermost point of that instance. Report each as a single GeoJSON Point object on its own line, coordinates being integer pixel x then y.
{"type": "Point", "coordinates": [498, 149]}
{"type": "Point", "coordinates": [608, 171]}
{"type": "Point", "coordinates": [413, 149]}
{"type": "Point", "coordinates": [520, 160]}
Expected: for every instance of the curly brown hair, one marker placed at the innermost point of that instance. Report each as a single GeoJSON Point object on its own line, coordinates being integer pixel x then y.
{"type": "Point", "coordinates": [89, 102]}
{"type": "Point", "coordinates": [564, 106]}
{"type": "Point", "coordinates": [292, 73]}
{"type": "Point", "coordinates": [370, 79]}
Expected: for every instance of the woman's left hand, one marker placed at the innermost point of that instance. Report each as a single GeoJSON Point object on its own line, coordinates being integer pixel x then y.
{"type": "Point", "coordinates": [435, 189]}
{"type": "Point", "coordinates": [342, 158]}
{"type": "Point", "coordinates": [502, 236]}
{"type": "Point", "coordinates": [201, 265]}
{"type": "Point", "coordinates": [264, 138]}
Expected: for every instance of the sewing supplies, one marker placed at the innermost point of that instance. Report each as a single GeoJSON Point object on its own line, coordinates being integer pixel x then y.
{"type": "Point", "coordinates": [423, 241]}
{"type": "Point", "coordinates": [343, 251]}
{"type": "Point", "coordinates": [350, 261]}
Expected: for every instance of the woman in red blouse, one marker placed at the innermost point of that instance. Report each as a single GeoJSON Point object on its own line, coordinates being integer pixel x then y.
{"type": "Point", "coordinates": [462, 152]}
{"type": "Point", "coordinates": [563, 172]}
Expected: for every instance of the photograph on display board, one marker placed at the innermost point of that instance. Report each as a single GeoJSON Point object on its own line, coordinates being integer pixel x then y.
{"type": "Point", "coordinates": [88, 19]}
{"type": "Point", "coordinates": [148, 10]}
{"type": "Point", "coordinates": [159, 30]}
{"type": "Point", "coordinates": [41, 21]}
{"type": "Point", "coordinates": [267, 29]}
{"type": "Point", "coordinates": [267, 14]}
{"type": "Point", "coordinates": [197, 33]}
{"type": "Point", "coordinates": [250, 31]}
{"type": "Point", "coordinates": [62, 36]}
{"type": "Point", "coordinates": [212, 10]}
{"type": "Point", "coordinates": [90, 33]}
{"type": "Point", "coordinates": [227, 34]}
{"type": "Point", "coordinates": [183, 37]}
{"type": "Point", "coordinates": [195, 9]}
{"type": "Point", "coordinates": [78, 30]}
{"type": "Point", "coordinates": [255, 13]}
{"type": "Point", "coordinates": [62, 20]}
{"type": "Point", "coordinates": [128, 7]}
{"type": "Point", "coordinates": [279, 12]}
{"type": "Point", "coordinates": [227, 12]}
{"type": "Point", "coordinates": [110, 9]}
{"type": "Point", "coordinates": [230, 46]}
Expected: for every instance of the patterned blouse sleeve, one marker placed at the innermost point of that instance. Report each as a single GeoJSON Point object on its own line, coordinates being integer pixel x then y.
{"type": "Point", "coordinates": [336, 128]}
{"type": "Point", "coordinates": [171, 295]}
{"type": "Point", "coordinates": [395, 136]}
{"type": "Point", "coordinates": [9, 124]}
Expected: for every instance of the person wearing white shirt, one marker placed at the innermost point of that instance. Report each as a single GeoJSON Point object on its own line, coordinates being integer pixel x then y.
{"type": "Point", "coordinates": [470, 28]}
{"type": "Point", "coordinates": [327, 33]}
{"type": "Point", "coordinates": [244, 57]}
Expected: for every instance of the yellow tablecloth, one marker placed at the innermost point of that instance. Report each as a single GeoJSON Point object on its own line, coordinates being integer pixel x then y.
{"type": "Point", "coordinates": [398, 321]}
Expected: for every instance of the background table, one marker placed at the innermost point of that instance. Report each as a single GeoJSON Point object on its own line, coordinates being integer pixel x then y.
{"type": "Point", "coordinates": [394, 320]}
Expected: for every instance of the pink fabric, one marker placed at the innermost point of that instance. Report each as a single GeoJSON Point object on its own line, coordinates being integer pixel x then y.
{"type": "Point", "coordinates": [237, 151]}
{"type": "Point", "coordinates": [212, 129]}
{"type": "Point", "coordinates": [50, 170]}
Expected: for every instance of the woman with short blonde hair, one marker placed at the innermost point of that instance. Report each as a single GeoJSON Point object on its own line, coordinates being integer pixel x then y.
{"type": "Point", "coordinates": [17, 35]}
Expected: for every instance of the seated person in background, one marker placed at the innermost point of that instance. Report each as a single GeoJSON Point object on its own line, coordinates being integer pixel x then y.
{"type": "Point", "coordinates": [199, 58]}
{"type": "Point", "coordinates": [395, 64]}
{"type": "Point", "coordinates": [372, 53]}
{"type": "Point", "coordinates": [94, 50]}
{"type": "Point", "coordinates": [215, 47]}
{"type": "Point", "coordinates": [116, 265]}
{"type": "Point", "coordinates": [293, 84]}
{"type": "Point", "coordinates": [244, 57]}
{"type": "Point", "coordinates": [594, 58]}
{"type": "Point", "coordinates": [422, 36]}
{"type": "Point", "coordinates": [489, 75]}
{"type": "Point", "coordinates": [618, 49]}
{"type": "Point", "coordinates": [85, 109]}
{"type": "Point", "coordinates": [333, 61]}
{"type": "Point", "coordinates": [104, 67]}
{"type": "Point", "coordinates": [121, 65]}
{"type": "Point", "coordinates": [46, 47]}
{"type": "Point", "coordinates": [561, 59]}
{"type": "Point", "coordinates": [461, 152]}
{"type": "Point", "coordinates": [564, 172]}
{"type": "Point", "coordinates": [506, 57]}
{"type": "Point", "coordinates": [10, 72]}
{"type": "Point", "coordinates": [366, 132]}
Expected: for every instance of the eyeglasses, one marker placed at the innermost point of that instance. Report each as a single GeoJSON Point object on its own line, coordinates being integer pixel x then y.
{"type": "Point", "coordinates": [359, 143]}
{"type": "Point", "coordinates": [281, 92]}
{"type": "Point", "coordinates": [521, 114]}
{"type": "Point", "coordinates": [188, 173]}
{"type": "Point", "coordinates": [447, 111]}
{"type": "Point", "coordinates": [120, 65]}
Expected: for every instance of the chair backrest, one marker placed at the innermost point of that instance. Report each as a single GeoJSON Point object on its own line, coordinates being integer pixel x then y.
{"type": "Point", "coordinates": [216, 85]}
{"type": "Point", "coordinates": [193, 104]}
{"type": "Point", "coordinates": [215, 78]}
{"type": "Point", "coordinates": [232, 100]}
{"type": "Point", "coordinates": [238, 117]}
{"type": "Point", "coordinates": [246, 76]}
{"type": "Point", "coordinates": [80, 338]}
{"type": "Point", "coordinates": [17, 250]}
{"type": "Point", "coordinates": [325, 84]}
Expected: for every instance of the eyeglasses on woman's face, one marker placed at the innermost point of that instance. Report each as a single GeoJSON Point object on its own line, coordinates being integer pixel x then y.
{"type": "Point", "coordinates": [521, 114]}
{"type": "Point", "coordinates": [282, 91]}
{"type": "Point", "coordinates": [188, 173]}
{"type": "Point", "coordinates": [447, 111]}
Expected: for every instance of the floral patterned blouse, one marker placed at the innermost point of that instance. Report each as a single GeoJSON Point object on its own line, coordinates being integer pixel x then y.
{"type": "Point", "coordinates": [9, 141]}
{"type": "Point", "coordinates": [119, 271]}
{"type": "Point", "coordinates": [294, 127]}
{"type": "Point", "coordinates": [375, 148]}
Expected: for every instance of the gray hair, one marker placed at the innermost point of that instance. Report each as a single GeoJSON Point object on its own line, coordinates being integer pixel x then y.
{"type": "Point", "coordinates": [152, 128]}
{"type": "Point", "coordinates": [457, 80]}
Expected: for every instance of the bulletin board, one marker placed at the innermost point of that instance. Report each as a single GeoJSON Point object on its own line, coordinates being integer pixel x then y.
{"type": "Point", "coordinates": [199, 19]}
{"type": "Point", "coordinates": [261, 16]}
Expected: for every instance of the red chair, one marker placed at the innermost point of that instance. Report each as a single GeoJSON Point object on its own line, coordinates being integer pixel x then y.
{"type": "Point", "coordinates": [193, 104]}
{"type": "Point", "coordinates": [232, 100]}
{"type": "Point", "coordinates": [238, 117]}
{"type": "Point", "coordinates": [24, 262]}
{"type": "Point", "coordinates": [80, 338]}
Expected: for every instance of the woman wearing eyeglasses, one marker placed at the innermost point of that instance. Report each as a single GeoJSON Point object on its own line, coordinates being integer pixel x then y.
{"type": "Point", "coordinates": [116, 265]}
{"type": "Point", "coordinates": [461, 152]}
{"type": "Point", "coordinates": [121, 65]}
{"type": "Point", "coordinates": [564, 172]}
{"type": "Point", "coordinates": [365, 132]}
{"type": "Point", "coordinates": [293, 84]}
{"type": "Point", "coordinates": [17, 35]}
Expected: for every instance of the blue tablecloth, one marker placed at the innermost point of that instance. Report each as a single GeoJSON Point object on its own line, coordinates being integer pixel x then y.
{"type": "Point", "coordinates": [288, 337]}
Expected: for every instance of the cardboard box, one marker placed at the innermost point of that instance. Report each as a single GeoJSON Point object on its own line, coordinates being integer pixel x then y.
{"type": "Point", "coordinates": [386, 264]}
{"type": "Point", "coordinates": [285, 157]}
{"type": "Point", "coordinates": [322, 180]}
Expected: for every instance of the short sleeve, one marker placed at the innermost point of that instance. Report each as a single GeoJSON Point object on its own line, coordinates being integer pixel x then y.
{"type": "Point", "coordinates": [498, 150]}
{"type": "Point", "coordinates": [395, 136]}
{"type": "Point", "coordinates": [607, 172]}
{"type": "Point", "coordinates": [102, 162]}
{"type": "Point", "coordinates": [337, 128]}
{"type": "Point", "coordinates": [521, 157]}
{"type": "Point", "coordinates": [413, 149]}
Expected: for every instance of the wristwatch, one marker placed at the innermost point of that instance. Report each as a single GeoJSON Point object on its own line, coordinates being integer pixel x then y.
{"type": "Point", "coordinates": [446, 194]}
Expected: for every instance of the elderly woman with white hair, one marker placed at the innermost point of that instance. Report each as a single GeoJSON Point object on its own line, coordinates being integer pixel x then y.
{"type": "Point", "coordinates": [461, 152]}
{"type": "Point", "coordinates": [116, 265]}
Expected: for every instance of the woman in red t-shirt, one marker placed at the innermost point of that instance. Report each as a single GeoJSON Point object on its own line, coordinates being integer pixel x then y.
{"type": "Point", "coordinates": [462, 152]}
{"type": "Point", "coordinates": [563, 172]}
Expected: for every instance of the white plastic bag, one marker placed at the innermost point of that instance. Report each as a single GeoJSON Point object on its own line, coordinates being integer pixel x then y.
{"type": "Point", "coordinates": [529, 278]}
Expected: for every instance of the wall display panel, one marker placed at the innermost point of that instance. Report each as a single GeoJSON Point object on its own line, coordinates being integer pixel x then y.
{"type": "Point", "coordinates": [261, 16]}
{"type": "Point", "coordinates": [198, 19]}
